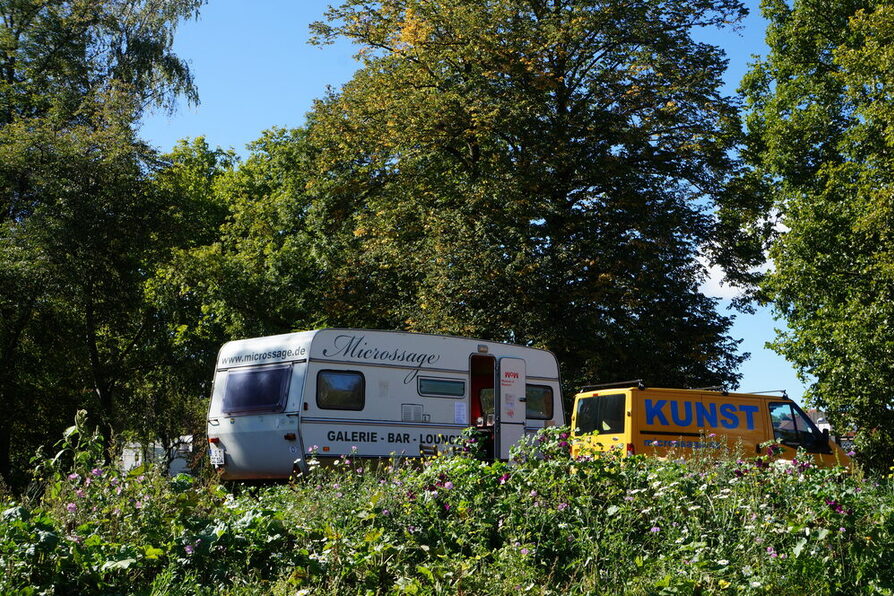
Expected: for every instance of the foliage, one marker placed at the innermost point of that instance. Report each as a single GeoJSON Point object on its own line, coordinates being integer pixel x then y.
{"type": "Point", "coordinates": [453, 524]}
{"type": "Point", "coordinates": [539, 172]}
{"type": "Point", "coordinates": [80, 225]}
{"type": "Point", "coordinates": [819, 145]}
{"type": "Point", "coordinates": [257, 274]}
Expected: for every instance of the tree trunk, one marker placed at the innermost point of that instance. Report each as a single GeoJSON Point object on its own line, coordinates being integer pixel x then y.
{"type": "Point", "coordinates": [101, 385]}
{"type": "Point", "coordinates": [5, 444]}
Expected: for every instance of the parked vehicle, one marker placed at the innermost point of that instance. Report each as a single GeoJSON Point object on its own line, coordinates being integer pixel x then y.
{"type": "Point", "coordinates": [338, 392]}
{"type": "Point", "coordinates": [662, 422]}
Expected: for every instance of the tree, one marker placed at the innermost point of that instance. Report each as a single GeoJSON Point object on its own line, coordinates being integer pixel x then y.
{"type": "Point", "coordinates": [77, 212]}
{"type": "Point", "coordinates": [541, 172]}
{"type": "Point", "coordinates": [256, 274]}
{"type": "Point", "coordinates": [819, 145]}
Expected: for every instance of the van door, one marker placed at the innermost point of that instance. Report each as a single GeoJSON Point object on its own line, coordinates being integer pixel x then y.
{"type": "Point", "coordinates": [733, 423]}
{"type": "Point", "coordinates": [510, 411]}
{"type": "Point", "coordinates": [600, 422]}
{"type": "Point", "coordinates": [794, 430]}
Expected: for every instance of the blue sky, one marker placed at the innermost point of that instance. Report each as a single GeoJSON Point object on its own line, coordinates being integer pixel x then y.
{"type": "Point", "coordinates": [255, 70]}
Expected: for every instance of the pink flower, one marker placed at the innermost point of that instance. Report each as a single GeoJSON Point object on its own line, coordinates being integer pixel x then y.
{"type": "Point", "coordinates": [96, 472]}
{"type": "Point", "coordinates": [655, 529]}
{"type": "Point", "coordinates": [74, 476]}
{"type": "Point", "coordinates": [71, 507]}
{"type": "Point", "coordinates": [189, 549]}
{"type": "Point", "coordinates": [448, 485]}
{"type": "Point", "coordinates": [138, 505]}
{"type": "Point", "coordinates": [562, 506]}
{"type": "Point", "coordinates": [504, 478]}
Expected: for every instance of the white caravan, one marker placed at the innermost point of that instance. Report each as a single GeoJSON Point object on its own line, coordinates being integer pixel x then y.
{"type": "Point", "coordinates": [371, 393]}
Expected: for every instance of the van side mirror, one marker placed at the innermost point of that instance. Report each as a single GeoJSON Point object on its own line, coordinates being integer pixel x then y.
{"type": "Point", "coordinates": [826, 434]}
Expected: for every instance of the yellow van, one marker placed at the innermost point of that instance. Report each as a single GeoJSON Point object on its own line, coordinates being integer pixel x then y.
{"type": "Point", "coordinates": [662, 422]}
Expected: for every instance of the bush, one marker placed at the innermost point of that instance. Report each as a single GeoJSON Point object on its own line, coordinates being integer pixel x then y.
{"type": "Point", "coordinates": [453, 524]}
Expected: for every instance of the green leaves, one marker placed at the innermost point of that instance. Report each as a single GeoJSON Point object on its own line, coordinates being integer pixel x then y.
{"type": "Point", "coordinates": [817, 121]}
{"type": "Point", "coordinates": [533, 173]}
{"type": "Point", "coordinates": [81, 225]}
{"type": "Point", "coordinates": [452, 523]}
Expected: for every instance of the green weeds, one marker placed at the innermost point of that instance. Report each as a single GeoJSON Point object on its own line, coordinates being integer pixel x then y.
{"type": "Point", "coordinates": [453, 525]}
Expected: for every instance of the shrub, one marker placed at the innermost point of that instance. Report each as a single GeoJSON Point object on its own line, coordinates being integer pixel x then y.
{"type": "Point", "coordinates": [453, 524]}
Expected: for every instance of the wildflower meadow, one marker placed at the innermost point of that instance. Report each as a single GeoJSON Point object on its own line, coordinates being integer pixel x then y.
{"type": "Point", "coordinates": [452, 524]}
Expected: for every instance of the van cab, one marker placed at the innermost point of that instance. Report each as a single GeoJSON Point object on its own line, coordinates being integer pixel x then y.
{"type": "Point", "coordinates": [663, 422]}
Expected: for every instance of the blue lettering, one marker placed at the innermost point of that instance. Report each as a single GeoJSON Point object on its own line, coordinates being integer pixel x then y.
{"type": "Point", "coordinates": [709, 415]}
{"type": "Point", "coordinates": [654, 411]}
{"type": "Point", "coordinates": [749, 415]}
{"type": "Point", "coordinates": [675, 413]}
{"type": "Point", "coordinates": [728, 412]}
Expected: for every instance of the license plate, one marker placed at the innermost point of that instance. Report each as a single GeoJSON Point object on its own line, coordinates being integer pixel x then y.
{"type": "Point", "coordinates": [217, 456]}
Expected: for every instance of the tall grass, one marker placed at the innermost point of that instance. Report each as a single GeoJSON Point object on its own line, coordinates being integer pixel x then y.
{"type": "Point", "coordinates": [455, 525]}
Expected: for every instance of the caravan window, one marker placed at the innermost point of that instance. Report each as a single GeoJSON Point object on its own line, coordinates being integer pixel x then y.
{"type": "Point", "coordinates": [256, 389]}
{"type": "Point", "coordinates": [441, 387]}
{"type": "Point", "coordinates": [538, 402]}
{"type": "Point", "coordinates": [340, 390]}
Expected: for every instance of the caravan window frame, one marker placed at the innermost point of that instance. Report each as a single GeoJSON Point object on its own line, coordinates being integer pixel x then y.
{"type": "Point", "coordinates": [548, 415]}
{"type": "Point", "coordinates": [356, 373]}
{"type": "Point", "coordinates": [460, 382]}
{"type": "Point", "coordinates": [282, 370]}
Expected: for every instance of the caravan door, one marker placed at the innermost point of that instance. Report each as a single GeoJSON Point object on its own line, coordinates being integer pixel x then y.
{"type": "Point", "coordinates": [509, 425]}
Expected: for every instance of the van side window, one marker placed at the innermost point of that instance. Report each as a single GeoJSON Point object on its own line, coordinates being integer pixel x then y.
{"type": "Point", "coordinates": [601, 413]}
{"type": "Point", "coordinates": [793, 428]}
{"type": "Point", "coordinates": [340, 390]}
{"type": "Point", "coordinates": [430, 387]}
{"type": "Point", "coordinates": [256, 389]}
{"type": "Point", "coordinates": [538, 402]}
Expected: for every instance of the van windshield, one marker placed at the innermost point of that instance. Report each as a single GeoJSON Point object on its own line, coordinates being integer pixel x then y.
{"type": "Point", "coordinates": [602, 413]}
{"type": "Point", "coordinates": [256, 389]}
